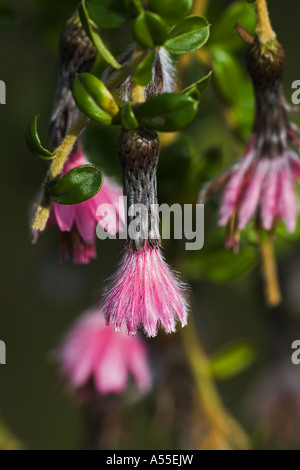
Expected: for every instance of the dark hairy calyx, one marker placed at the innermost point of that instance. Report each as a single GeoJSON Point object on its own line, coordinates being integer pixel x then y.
{"type": "Point", "coordinates": [266, 66]}
{"type": "Point", "coordinates": [139, 152]}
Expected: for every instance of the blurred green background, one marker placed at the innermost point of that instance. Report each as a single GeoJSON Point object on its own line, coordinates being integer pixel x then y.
{"type": "Point", "coordinates": [40, 297]}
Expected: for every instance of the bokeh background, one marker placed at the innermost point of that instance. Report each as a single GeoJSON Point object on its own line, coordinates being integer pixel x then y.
{"type": "Point", "coordinates": [40, 298]}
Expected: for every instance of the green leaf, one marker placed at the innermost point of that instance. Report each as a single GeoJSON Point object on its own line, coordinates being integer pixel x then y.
{"type": "Point", "coordinates": [168, 112]}
{"type": "Point", "coordinates": [34, 143]}
{"type": "Point", "coordinates": [78, 185]}
{"type": "Point", "coordinates": [149, 30]}
{"type": "Point", "coordinates": [128, 119]}
{"type": "Point", "coordinates": [196, 89]}
{"type": "Point", "coordinates": [109, 13]}
{"type": "Point", "coordinates": [143, 73]}
{"type": "Point", "coordinates": [228, 73]}
{"type": "Point", "coordinates": [171, 10]}
{"type": "Point", "coordinates": [244, 107]}
{"type": "Point", "coordinates": [224, 34]}
{"type": "Point", "coordinates": [94, 99]}
{"type": "Point", "coordinates": [231, 360]}
{"type": "Point", "coordinates": [188, 35]}
{"type": "Point", "coordinates": [95, 38]}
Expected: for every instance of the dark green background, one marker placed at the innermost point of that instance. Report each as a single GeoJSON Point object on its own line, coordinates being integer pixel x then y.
{"type": "Point", "coordinates": [40, 297]}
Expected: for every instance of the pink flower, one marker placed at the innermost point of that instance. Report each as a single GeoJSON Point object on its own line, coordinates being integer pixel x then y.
{"type": "Point", "coordinates": [262, 183]}
{"type": "Point", "coordinates": [92, 353]}
{"type": "Point", "coordinates": [266, 188]}
{"type": "Point", "coordinates": [78, 222]}
{"type": "Point", "coordinates": [145, 293]}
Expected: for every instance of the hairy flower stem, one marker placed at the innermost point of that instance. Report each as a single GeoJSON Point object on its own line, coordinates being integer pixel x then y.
{"type": "Point", "coordinates": [264, 28]}
{"type": "Point", "coordinates": [272, 289]}
{"type": "Point", "coordinates": [222, 424]}
{"type": "Point", "coordinates": [64, 149]}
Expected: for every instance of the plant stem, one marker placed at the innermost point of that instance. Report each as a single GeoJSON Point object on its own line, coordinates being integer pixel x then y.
{"type": "Point", "coordinates": [223, 426]}
{"type": "Point", "coordinates": [264, 28]}
{"type": "Point", "coordinates": [63, 151]}
{"type": "Point", "coordinates": [199, 7]}
{"type": "Point", "coordinates": [272, 289]}
{"type": "Point", "coordinates": [200, 368]}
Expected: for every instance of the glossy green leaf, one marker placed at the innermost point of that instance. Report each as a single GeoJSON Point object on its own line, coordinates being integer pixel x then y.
{"type": "Point", "coordinates": [78, 185]}
{"type": "Point", "coordinates": [34, 143]}
{"type": "Point", "coordinates": [188, 35]}
{"type": "Point", "coordinates": [168, 112]}
{"type": "Point", "coordinates": [231, 360]}
{"type": "Point", "coordinates": [143, 73]}
{"type": "Point", "coordinates": [149, 29]}
{"type": "Point", "coordinates": [128, 119]}
{"type": "Point", "coordinates": [109, 13]}
{"type": "Point", "coordinates": [95, 38]}
{"type": "Point", "coordinates": [196, 89]}
{"type": "Point", "coordinates": [94, 99]}
{"type": "Point", "coordinates": [171, 10]}
{"type": "Point", "coordinates": [228, 73]}
{"type": "Point", "coordinates": [224, 33]}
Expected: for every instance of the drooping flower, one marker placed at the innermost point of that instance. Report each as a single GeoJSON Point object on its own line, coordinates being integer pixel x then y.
{"type": "Point", "coordinates": [94, 358]}
{"type": "Point", "coordinates": [262, 183]}
{"type": "Point", "coordinates": [78, 222]}
{"type": "Point", "coordinates": [144, 292]}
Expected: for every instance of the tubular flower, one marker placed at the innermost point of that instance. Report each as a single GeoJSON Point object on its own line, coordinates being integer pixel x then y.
{"type": "Point", "coordinates": [144, 292]}
{"type": "Point", "coordinates": [78, 222]}
{"type": "Point", "coordinates": [262, 183]}
{"type": "Point", "coordinates": [96, 359]}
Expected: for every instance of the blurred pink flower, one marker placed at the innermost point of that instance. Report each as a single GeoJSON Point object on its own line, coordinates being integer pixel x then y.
{"type": "Point", "coordinates": [92, 353]}
{"type": "Point", "coordinates": [78, 222]}
{"type": "Point", "coordinates": [145, 293]}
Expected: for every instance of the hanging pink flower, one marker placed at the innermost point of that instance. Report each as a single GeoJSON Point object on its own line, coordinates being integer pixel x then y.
{"type": "Point", "coordinates": [262, 183]}
{"type": "Point", "coordinates": [144, 293]}
{"type": "Point", "coordinates": [93, 354]}
{"type": "Point", "coordinates": [78, 222]}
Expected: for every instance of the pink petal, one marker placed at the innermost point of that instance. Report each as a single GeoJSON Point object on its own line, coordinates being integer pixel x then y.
{"type": "Point", "coordinates": [287, 197]}
{"type": "Point", "coordinates": [85, 220]}
{"type": "Point", "coordinates": [111, 372]}
{"type": "Point", "coordinates": [145, 293]}
{"type": "Point", "coordinates": [270, 194]}
{"type": "Point", "coordinates": [64, 215]}
{"type": "Point", "coordinates": [252, 194]}
{"type": "Point", "coordinates": [233, 188]}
